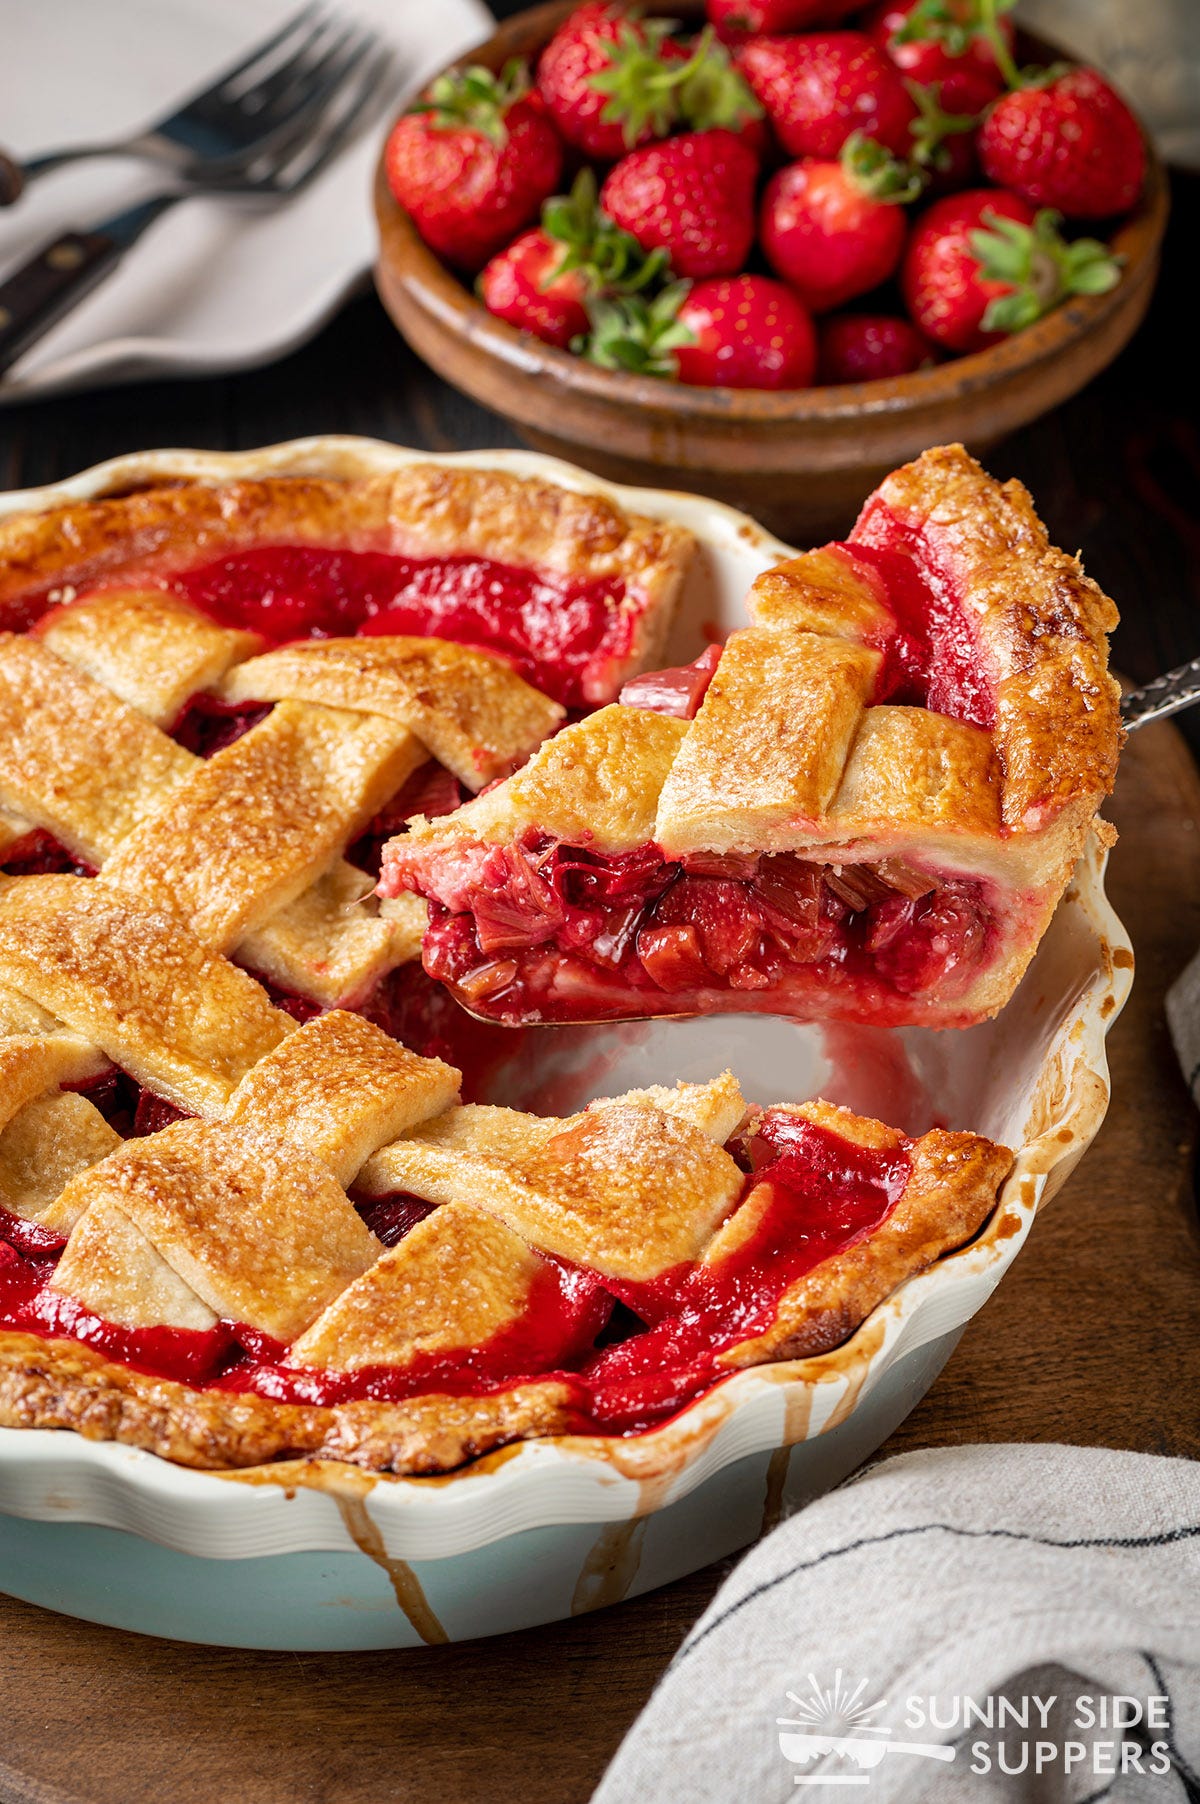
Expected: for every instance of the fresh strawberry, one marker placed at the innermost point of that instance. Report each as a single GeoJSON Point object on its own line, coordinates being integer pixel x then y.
{"type": "Point", "coordinates": [605, 78]}
{"type": "Point", "coordinates": [864, 347]}
{"type": "Point", "coordinates": [732, 332]}
{"type": "Point", "coordinates": [735, 18]}
{"type": "Point", "coordinates": [835, 230]}
{"type": "Point", "coordinates": [983, 264]}
{"type": "Point", "coordinates": [473, 161]}
{"type": "Point", "coordinates": [943, 143]}
{"type": "Point", "coordinates": [543, 282]}
{"type": "Point", "coordinates": [692, 197]}
{"type": "Point", "coordinates": [820, 88]}
{"type": "Point", "coordinates": [950, 42]}
{"type": "Point", "coordinates": [527, 286]}
{"type": "Point", "coordinates": [1071, 144]}
{"type": "Point", "coordinates": [614, 82]}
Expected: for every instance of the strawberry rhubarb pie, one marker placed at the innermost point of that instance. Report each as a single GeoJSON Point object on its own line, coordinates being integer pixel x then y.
{"type": "Point", "coordinates": [865, 805]}
{"type": "Point", "coordinates": [245, 1214]}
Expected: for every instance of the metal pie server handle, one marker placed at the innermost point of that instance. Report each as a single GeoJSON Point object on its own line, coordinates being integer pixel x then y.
{"type": "Point", "coordinates": [1167, 694]}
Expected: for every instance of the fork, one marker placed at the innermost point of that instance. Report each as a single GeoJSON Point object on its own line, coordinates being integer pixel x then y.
{"type": "Point", "coordinates": [1167, 694]}
{"type": "Point", "coordinates": [219, 123]}
{"type": "Point", "coordinates": [275, 165]}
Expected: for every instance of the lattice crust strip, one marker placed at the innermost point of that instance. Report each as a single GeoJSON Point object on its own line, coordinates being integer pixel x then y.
{"type": "Point", "coordinates": [787, 752]}
{"type": "Point", "coordinates": [246, 1219]}
{"type": "Point", "coordinates": [245, 845]}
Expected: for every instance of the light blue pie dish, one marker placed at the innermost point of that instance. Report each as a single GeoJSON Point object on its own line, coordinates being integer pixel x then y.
{"type": "Point", "coordinates": [311, 1555]}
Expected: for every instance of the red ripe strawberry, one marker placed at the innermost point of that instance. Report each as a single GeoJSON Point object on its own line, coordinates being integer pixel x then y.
{"type": "Point", "coordinates": [602, 77]}
{"type": "Point", "coordinates": [749, 332]}
{"type": "Point", "coordinates": [614, 82]}
{"type": "Point", "coordinates": [527, 286]}
{"type": "Point", "coordinates": [543, 282]}
{"type": "Point", "coordinates": [820, 88]}
{"type": "Point", "coordinates": [950, 42]}
{"type": "Point", "coordinates": [863, 347]}
{"type": "Point", "coordinates": [732, 332]}
{"type": "Point", "coordinates": [982, 264]}
{"type": "Point", "coordinates": [835, 230]}
{"type": "Point", "coordinates": [732, 18]}
{"type": "Point", "coordinates": [692, 197]}
{"type": "Point", "coordinates": [473, 162]}
{"type": "Point", "coordinates": [1071, 144]}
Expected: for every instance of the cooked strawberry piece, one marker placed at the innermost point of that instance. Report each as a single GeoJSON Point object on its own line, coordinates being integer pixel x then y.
{"type": "Point", "coordinates": [678, 691]}
{"type": "Point", "coordinates": [672, 957]}
{"type": "Point", "coordinates": [722, 915]}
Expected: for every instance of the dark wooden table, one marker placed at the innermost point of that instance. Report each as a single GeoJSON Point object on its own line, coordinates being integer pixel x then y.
{"type": "Point", "coordinates": [1094, 1337]}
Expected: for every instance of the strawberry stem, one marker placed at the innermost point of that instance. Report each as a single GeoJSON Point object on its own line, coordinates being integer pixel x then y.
{"type": "Point", "coordinates": [474, 99]}
{"type": "Point", "coordinates": [873, 168]}
{"type": "Point", "coordinates": [612, 260]}
{"type": "Point", "coordinates": [639, 335]}
{"type": "Point", "coordinates": [1039, 266]}
{"type": "Point", "coordinates": [932, 126]}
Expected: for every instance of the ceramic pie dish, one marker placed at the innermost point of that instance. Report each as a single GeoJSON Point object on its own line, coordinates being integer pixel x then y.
{"type": "Point", "coordinates": [311, 1552]}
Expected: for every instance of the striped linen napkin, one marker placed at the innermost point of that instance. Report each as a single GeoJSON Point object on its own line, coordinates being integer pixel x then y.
{"type": "Point", "coordinates": [954, 1625]}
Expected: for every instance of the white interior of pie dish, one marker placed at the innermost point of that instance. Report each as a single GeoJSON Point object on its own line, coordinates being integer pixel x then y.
{"type": "Point", "coordinates": [312, 1556]}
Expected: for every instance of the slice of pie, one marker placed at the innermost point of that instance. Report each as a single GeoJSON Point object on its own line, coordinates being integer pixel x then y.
{"type": "Point", "coordinates": [865, 806]}
{"type": "Point", "coordinates": [336, 1257]}
{"type": "Point", "coordinates": [573, 592]}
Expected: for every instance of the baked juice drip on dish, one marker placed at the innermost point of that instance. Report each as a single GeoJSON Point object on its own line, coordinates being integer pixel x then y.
{"type": "Point", "coordinates": [865, 806]}
{"type": "Point", "coordinates": [339, 1258]}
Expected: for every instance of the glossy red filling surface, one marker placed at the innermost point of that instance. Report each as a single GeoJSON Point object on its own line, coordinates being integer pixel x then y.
{"type": "Point", "coordinates": [632, 1353]}
{"type": "Point", "coordinates": [539, 931]}
{"type": "Point", "coordinates": [560, 633]}
{"type": "Point", "coordinates": [934, 659]}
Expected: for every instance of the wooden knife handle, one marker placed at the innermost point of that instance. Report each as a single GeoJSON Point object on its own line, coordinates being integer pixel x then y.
{"type": "Point", "coordinates": [38, 294]}
{"type": "Point", "coordinates": [12, 179]}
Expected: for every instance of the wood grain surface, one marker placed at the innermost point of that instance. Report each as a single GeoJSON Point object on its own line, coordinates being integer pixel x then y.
{"type": "Point", "coordinates": [1094, 1336]}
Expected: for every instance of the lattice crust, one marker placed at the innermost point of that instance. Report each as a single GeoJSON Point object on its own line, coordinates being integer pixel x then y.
{"type": "Point", "coordinates": [788, 752]}
{"type": "Point", "coordinates": [137, 983]}
{"type": "Point", "coordinates": [627, 1189]}
{"type": "Point", "coordinates": [467, 708]}
{"type": "Point", "coordinates": [242, 1220]}
{"type": "Point", "coordinates": [422, 510]}
{"type": "Point", "coordinates": [246, 845]}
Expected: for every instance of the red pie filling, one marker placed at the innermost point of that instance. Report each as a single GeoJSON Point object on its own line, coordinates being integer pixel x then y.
{"type": "Point", "coordinates": [542, 932]}
{"type": "Point", "coordinates": [633, 1354]}
{"type": "Point", "coordinates": [564, 635]}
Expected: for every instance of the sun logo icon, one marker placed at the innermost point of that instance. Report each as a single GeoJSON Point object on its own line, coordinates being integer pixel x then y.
{"type": "Point", "coordinates": [835, 1721]}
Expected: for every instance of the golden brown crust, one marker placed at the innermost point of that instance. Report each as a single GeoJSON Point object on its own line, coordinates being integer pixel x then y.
{"type": "Point", "coordinates": [949, 1195]}
{"type": "Point", "coordinates": [420, 510]}
{"type": "Point", "coordinates": [62, 1384]}
{"type": "Point", "coordinates": [1043, 627]}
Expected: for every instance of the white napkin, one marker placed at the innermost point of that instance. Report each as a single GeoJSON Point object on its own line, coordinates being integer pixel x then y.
{"type": "Point", "coordinates": [1031, 1584]}
{"type": "Point", "coordinates": [1183, 1018]}
{"type": "Point", "coordinates": [213, 286]}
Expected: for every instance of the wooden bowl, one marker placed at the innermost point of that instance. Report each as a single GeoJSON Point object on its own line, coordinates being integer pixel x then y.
{"type": "Point", "coordinates": [800, 460]}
